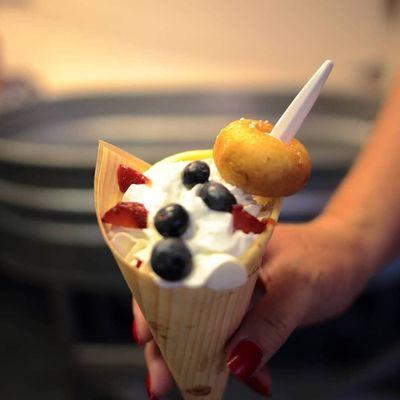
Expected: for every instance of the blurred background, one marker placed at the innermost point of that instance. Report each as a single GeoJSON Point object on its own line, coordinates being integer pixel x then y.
{"type": "Point", "coordinates": [156, 78]}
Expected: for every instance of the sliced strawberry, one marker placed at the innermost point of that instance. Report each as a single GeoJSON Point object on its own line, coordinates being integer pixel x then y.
{"type": "Point", "coordinates": [246, 222]}
{"type": "Point", "coordinates": [128, 176]}
{"type": "Point", "coordinates": [128, 215]}
{"type": "Point", "coordinates": [138, 263]}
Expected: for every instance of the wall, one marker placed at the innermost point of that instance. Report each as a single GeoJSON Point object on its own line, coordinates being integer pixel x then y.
{"type": "Point", "coordinates": [79, 45]}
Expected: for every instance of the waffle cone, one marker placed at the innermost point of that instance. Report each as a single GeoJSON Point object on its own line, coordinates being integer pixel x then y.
{"type": "Point", "coordinates": [190, 326]}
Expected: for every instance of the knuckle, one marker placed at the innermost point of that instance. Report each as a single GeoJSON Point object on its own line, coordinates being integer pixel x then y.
{"type": "Point", "coordinates": [306, 278]}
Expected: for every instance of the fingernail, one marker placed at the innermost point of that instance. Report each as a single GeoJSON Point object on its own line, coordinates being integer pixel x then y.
{"type": "Point", "coordinates": [244, 359]}
{"type": "Point", "coordinates": [135, 335]}
{"type": "Point", "coordinates": [258, 386]}
{"type": "Point", "coordinates": [148, 388]}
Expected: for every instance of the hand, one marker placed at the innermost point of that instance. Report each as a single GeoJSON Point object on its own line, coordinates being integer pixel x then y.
{"type": "Point", "coordinates": [311, 272]}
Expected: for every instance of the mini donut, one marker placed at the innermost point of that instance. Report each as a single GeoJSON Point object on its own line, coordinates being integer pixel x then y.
{"type": "Point", "coordinates": [260, 164]}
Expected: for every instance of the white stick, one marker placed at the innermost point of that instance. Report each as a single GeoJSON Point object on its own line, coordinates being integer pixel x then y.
{"type": "Point", "coordinates": [294, 116]}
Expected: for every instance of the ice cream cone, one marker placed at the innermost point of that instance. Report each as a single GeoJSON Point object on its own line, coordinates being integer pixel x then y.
{"type": "Point", "coordinates": [191, 326]}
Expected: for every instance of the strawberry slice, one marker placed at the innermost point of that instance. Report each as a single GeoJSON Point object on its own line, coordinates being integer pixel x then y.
{"type": "Point", "coordinates": [128, 215]}
{"type": "Point", "coordinates": [128, 176]}
{"type": "Point", "coordinates": [246, 222]}
{"type": "Point", "coordinates": [138, 263]}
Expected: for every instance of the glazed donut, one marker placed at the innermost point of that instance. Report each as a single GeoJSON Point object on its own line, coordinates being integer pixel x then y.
{"type": "Point", "coordinates": [260, 164]}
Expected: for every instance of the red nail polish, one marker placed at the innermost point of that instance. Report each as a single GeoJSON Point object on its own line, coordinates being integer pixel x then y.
{"type": "Point", "coordinates": [244, 359]}
{"type": "Point", "coordinates": [135, 335]}
{"type": "Point", "coordinates": [148, 388]}
{"type": "Point", "coordinates": [257, 386]}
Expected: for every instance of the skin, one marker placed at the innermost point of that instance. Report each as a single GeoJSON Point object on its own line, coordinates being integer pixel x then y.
{"type": "Point", "coordinates": [315, 270]}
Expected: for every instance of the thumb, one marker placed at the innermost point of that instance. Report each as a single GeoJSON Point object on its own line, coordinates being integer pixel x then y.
{"type": "Point", "coordinates": [266, 326]}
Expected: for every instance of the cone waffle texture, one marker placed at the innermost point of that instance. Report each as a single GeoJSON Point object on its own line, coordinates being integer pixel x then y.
{"type": "Point", "coordinates": [190, 326]}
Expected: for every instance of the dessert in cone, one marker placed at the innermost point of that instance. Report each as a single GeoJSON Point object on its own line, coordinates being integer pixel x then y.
{"type": "Point", "coordinates": [190, 325]}
{"type": "Point", "coordinates": [193, 306]}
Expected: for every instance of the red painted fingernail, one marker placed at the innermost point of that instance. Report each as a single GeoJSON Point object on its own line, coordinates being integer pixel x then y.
{"type": "Point", "coordinates": [244, 359]}
{"type": "Point", "coordinates": [148, 388]}
{"type": "Point", "coordinates": [258, 386]}
{"type": "Point", "coordinates": [135, 335]}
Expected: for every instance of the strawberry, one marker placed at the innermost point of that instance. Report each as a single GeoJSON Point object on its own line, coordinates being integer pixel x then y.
{"type": "Point", "coordinates": [128, 176]}
{"type": "Point", "coordinates": [138, 263]}
{"type": "Point", "coordinates": [246, 222]}
{"type": "Point", "coordinates": [128, 215]}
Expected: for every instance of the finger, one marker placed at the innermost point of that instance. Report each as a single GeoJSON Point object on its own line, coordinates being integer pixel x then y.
{"type": "Point", "coordinates": [140, 328]}
{"type": "Point", "coordinates": [260, 382]}
{"type": "Point", "coordinates": [268, 324]}
{"type": "Point", "coordinates": [159, 380]}
{"type": "Point", "coordinates": [258, 294]}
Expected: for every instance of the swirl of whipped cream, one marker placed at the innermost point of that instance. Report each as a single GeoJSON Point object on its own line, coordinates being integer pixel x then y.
{"type": "Point", "coordinates": [214, 244]}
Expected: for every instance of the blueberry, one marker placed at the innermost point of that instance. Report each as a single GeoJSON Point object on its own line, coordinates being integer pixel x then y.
{"type": "Point", "coordinates": [171, 259]}
{"type": "Point", "coordinates": [194, 173]}
{"type": "Point", "coordinates": [171, 220]}
{"type": "Point", "coordinates": [217, 196]}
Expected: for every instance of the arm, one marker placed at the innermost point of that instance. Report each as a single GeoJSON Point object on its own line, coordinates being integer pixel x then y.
{"type": "Point", "coordinates": [369, 197]}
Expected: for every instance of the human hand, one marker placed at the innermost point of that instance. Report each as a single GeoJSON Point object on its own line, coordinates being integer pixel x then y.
{"type": "Point", "coordinates": [311, 272]}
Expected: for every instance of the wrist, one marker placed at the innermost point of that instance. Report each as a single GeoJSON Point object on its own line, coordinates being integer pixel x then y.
{"type": "Point", "coordinates": [356, 238]}
{"type": "Point", "coordinates": [352, 243]}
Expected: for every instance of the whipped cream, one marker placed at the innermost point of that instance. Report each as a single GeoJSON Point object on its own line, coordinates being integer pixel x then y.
{"type": "Point", "coordinates": [214, 244]}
